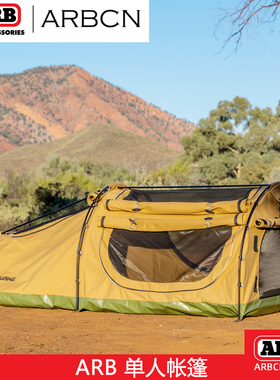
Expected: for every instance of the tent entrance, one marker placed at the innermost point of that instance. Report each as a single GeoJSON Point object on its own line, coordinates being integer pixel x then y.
{"type": "Point", "coordinates": [167, 257]}
{"type": "Point", "coordinates": [269, 284]}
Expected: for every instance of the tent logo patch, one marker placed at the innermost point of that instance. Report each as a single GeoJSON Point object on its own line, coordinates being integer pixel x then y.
{"type": "Point", "coordinates": [267, 347]}
{"type": "Point", "coordinates": [10, 15]}
{"type": "Point", "coordinates": [6, 278]}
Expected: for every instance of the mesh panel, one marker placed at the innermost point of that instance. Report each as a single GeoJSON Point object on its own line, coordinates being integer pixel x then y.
{"type": "Point", "coordinates": [269, 283]}
{"type": "Point", "coordinates": [162, 257]}
{"type": "Point", "coordinates": [189, 195]}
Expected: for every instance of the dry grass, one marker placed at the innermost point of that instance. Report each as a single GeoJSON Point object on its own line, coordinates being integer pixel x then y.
{"type": "Point", "coordinates": [97, 143]}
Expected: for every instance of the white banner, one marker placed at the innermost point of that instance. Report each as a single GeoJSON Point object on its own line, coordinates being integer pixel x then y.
{"type": "Point", "coordinates": [75, 21]}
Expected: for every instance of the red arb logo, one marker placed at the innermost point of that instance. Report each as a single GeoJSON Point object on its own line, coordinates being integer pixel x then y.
{"type": "Point", "coordinates": [267, 347]}
{"type": "Point", "coordinates": [10, 15]}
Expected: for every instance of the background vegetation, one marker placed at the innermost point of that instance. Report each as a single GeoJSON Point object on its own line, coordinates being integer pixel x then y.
{"type": "Point", "coordinates": [235, 144]}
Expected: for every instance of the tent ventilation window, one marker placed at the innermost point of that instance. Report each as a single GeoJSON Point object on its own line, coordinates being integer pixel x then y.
{"type": "Point", "coordinates": [166, 257]}
{"type": "Point", "coordinates": [269, 279]}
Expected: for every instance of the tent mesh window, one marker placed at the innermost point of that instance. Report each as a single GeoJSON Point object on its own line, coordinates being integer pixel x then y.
{"type": "Point", "coordinates": [165, 257]}
{"type": "Point", "coordinates": [269, 282]}
{"type": "Point", "coordinates": [188, 195]}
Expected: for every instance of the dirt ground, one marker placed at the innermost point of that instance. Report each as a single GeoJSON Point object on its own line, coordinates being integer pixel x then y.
{"type": "Point", "coordinates": [44, 331]}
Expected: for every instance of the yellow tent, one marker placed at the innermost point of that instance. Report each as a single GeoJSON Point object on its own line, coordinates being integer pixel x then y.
{"type": "Point", "coordinates": [201, 251]}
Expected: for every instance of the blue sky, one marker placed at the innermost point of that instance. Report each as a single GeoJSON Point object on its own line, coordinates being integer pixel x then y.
{"type": "Point", "coordinates": [181, 69]}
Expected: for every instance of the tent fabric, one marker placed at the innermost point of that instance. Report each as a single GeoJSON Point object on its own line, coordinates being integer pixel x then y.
{"type": "Point", "coordinates": [179, 208]}
{"type": "Point", "coordinates": [154, 251]}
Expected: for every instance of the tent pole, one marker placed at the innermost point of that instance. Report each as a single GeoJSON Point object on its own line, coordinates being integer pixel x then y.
{"type": "Point", "coordinates": [81, 240]}
{"type": "Point", "coordinates": [42, 216]}
{"type": "Point", "coordinates": [241, 250]}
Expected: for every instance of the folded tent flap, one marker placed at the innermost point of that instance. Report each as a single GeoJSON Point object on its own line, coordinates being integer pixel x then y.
{"type": "Point", "coordinates": [171, 216]}
{"type": "Point", "coordinates": [178, 208]}
{"type": "Point", "coordinates": [167, 223]}
{"type": "Point", "coordinates": [263, 223]}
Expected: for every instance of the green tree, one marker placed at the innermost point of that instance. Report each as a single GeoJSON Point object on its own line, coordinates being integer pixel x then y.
{"type": "Point", "coordinates": [231, 140]}
{"type": "Point", "coordinates": [175, 174]}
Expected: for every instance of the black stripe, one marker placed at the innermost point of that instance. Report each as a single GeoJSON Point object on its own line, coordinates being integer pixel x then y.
{"type": "Point", "coordinates": [239, 205]}
{"type": "Point", "coordinates": [107, 204]}
{"type": "Point", "coordinates": [256, 285]}
{"type": "Point", "coordinates": [255, 243]}
{"type": "Point", "coordinates": [102, 221]}
{"type": "Point", "coordinates": [235, 219]}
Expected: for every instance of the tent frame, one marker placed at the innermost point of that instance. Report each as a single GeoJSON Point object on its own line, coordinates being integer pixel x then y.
{"type": "Point", "coordinates": [92, 206]}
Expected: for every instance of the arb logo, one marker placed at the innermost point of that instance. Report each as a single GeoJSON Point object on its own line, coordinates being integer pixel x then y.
{"type": "Point", "coordinates": [267, 347]}
{"type": "Point", "coordinates": [10, 15]}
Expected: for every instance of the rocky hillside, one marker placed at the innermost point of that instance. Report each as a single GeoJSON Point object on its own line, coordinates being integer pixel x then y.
{"type": "Point", "coordinates": [48, 103]}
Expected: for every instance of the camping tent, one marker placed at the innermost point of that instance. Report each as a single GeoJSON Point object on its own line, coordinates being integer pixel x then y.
{"type": "Point", "coordinates": [211, 251]}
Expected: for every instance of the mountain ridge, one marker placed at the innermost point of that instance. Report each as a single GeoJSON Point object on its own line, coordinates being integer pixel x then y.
{"type": "Point", "coordinates": [48, 103]}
